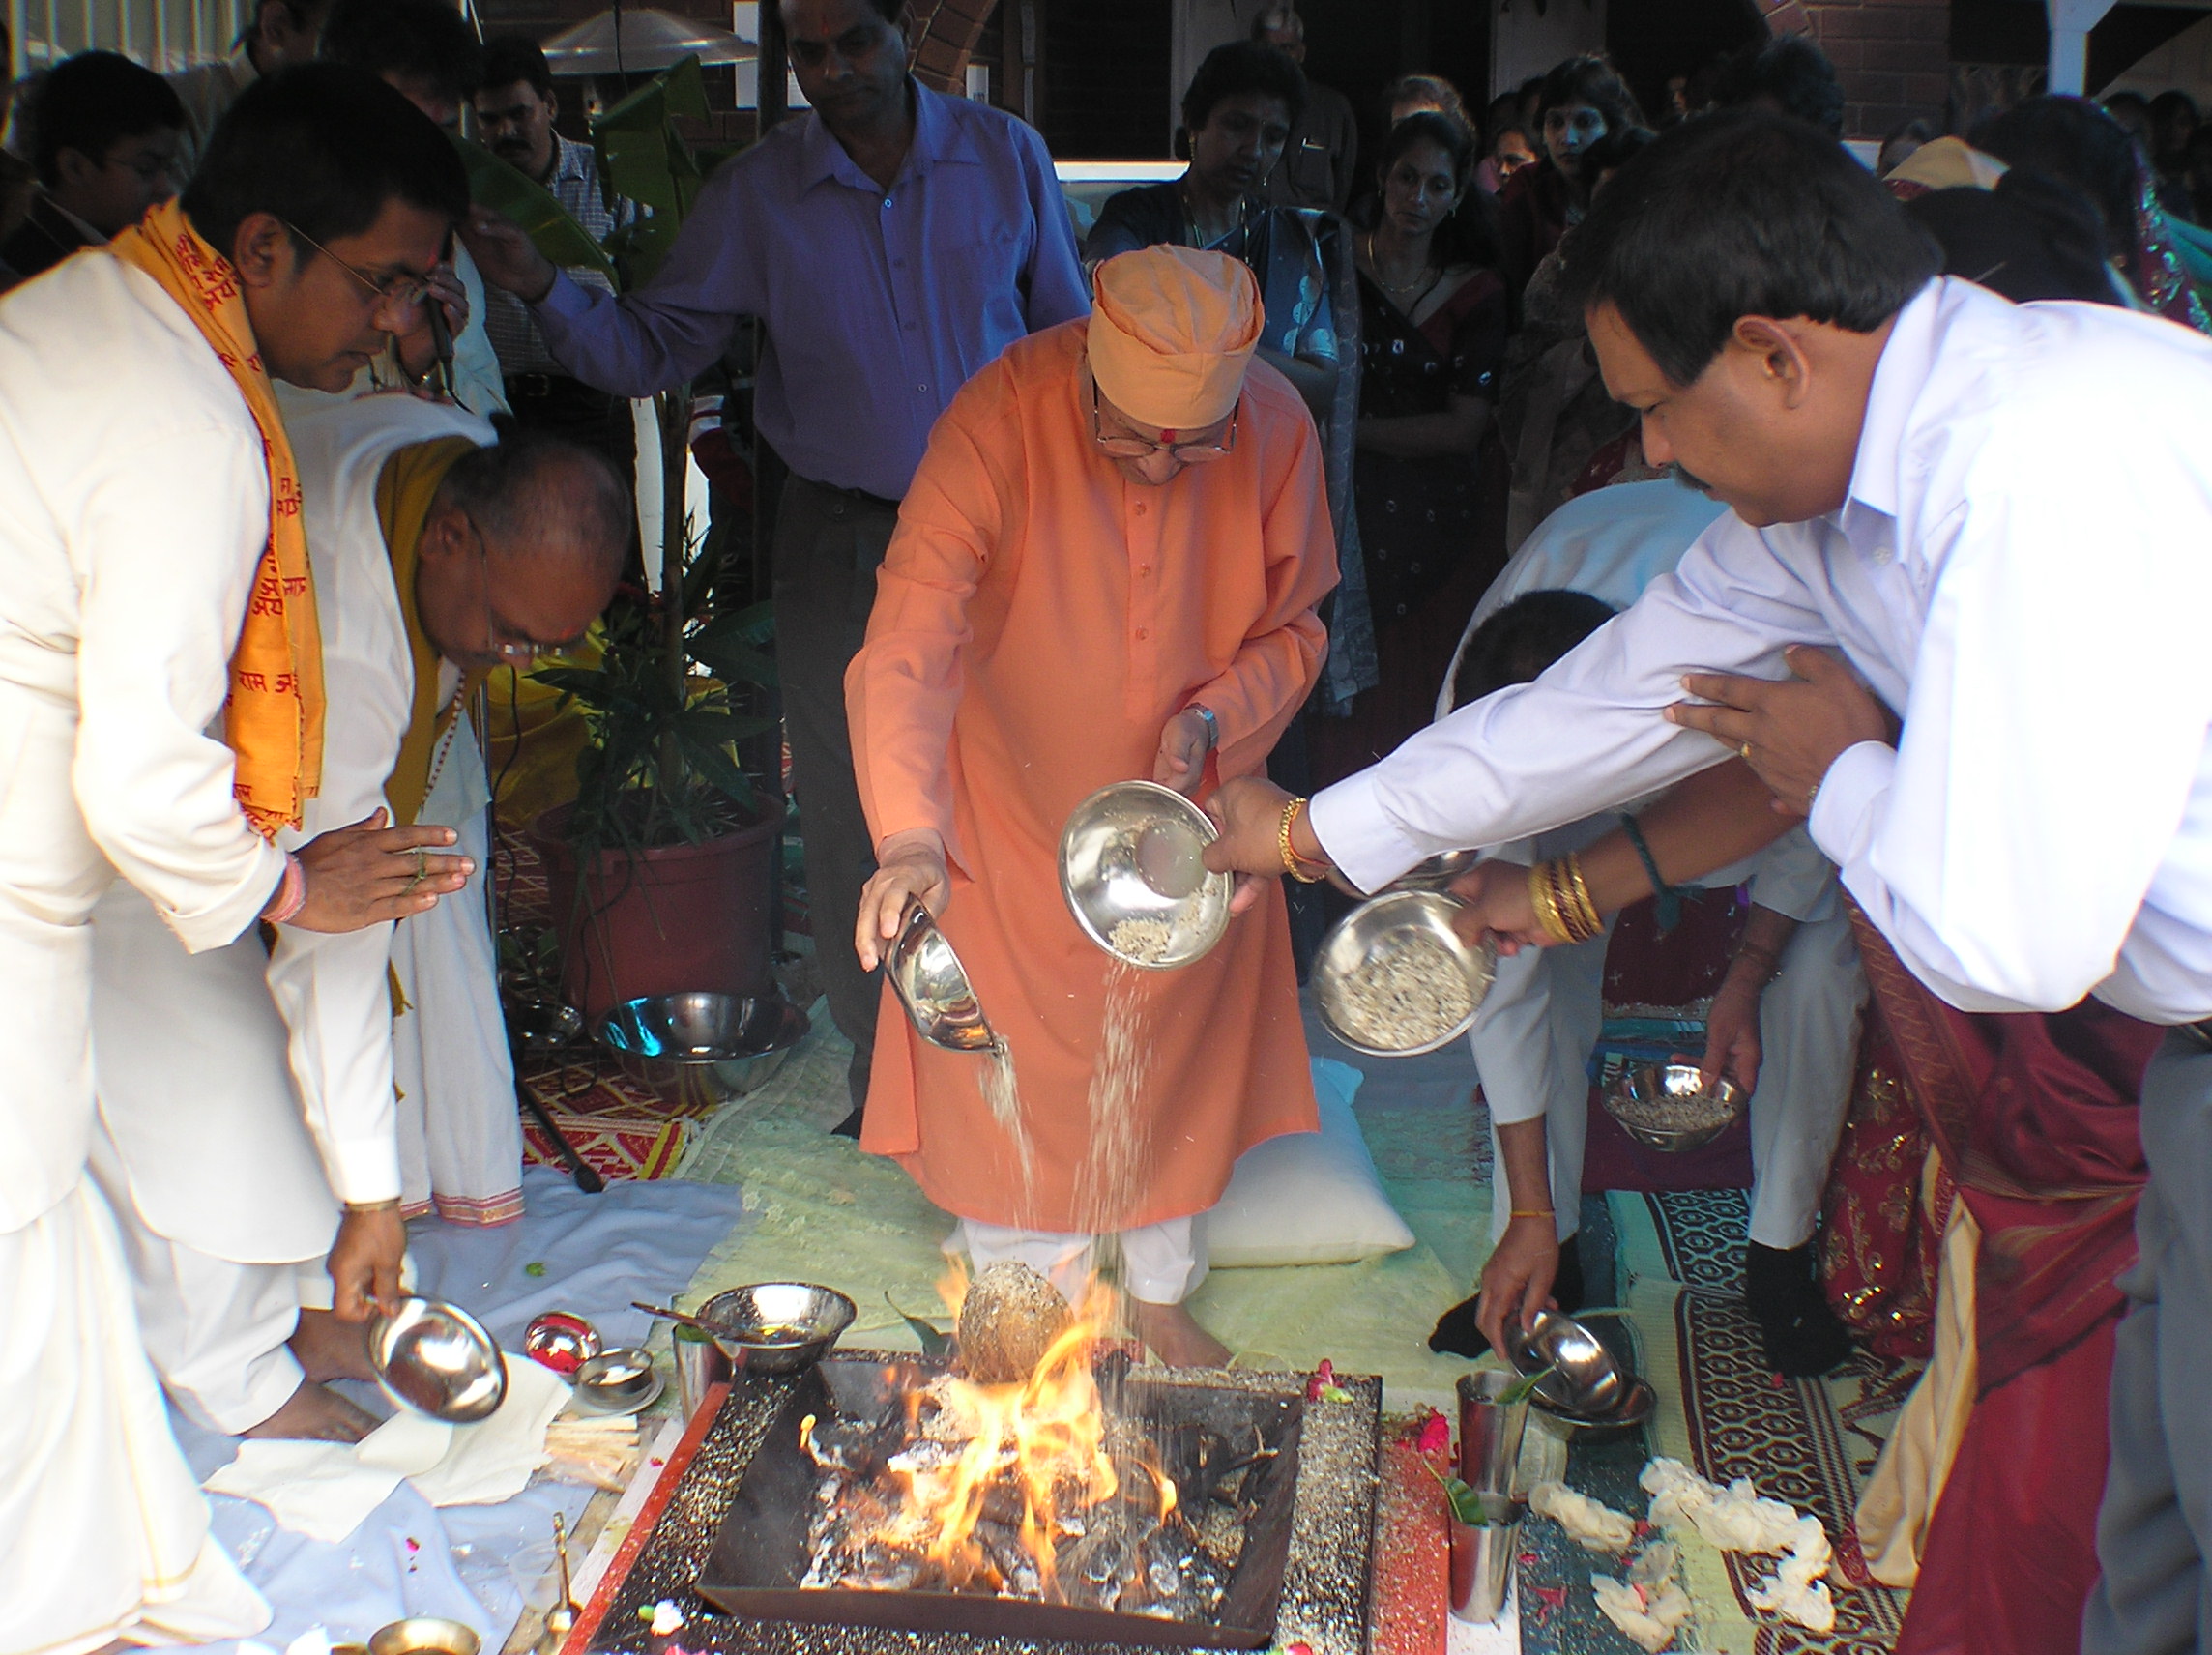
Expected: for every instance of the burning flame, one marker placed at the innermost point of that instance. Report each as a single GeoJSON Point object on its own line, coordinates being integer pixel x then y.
{"type": "Point", "coordinates": [1044, 1436]}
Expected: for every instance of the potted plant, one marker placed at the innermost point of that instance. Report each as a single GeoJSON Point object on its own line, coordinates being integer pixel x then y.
{"type": "Point", "coordinates": [661, 871]}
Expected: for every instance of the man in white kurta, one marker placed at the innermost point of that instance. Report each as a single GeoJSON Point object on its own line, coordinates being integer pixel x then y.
{"type": "Point", "coordinates": [137, 514]}
{"type": "Point", "coordinates": [1998, 516]}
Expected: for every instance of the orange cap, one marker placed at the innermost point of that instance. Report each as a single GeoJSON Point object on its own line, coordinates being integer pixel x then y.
{"type": "Point", "coordinates": [1172, 329]}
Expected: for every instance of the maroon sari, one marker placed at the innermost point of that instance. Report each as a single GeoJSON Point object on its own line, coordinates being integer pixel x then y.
{"type": "Point", "coordinates": [2034, 1118]}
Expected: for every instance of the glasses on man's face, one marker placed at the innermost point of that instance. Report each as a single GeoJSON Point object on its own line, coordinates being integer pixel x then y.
{"type": "Point", "coordinates": [1127, 445]}
{"type": "Point", "coordinates": [401, 292]}
{"type": "Point", "coordinates": [508, 652]}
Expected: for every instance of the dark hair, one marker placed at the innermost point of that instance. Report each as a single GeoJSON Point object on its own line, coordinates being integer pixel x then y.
{"type": "Point", "coordinates": [1792, 74]}
{"type": "Point", "coordinates": [2029, 238]}
{"type": "Point", "coordinates": [1593, 81]}
{"type": "Point", "coordinates": [1616, 149]}
{"type": "Point", "coordinates": [2074, 141]}
{"type": "Point", "coordinates": [509, 58]}
{"type": "Point", "coordinates": [324, 148]}
{"type": "Point", "coordinates": [533, 489]}
{"type": "Point", "coordinates": [1432, 88]}
{"type": "Point", "coordinates": [1467, 236]}
{"type": "Point", "coordinates": [1244, 65]}
{"type": "Point", "coordinates": [423, 40]}
{"type": "Point", "coordinates": [1743, 214]}
{"type": "Point", "coordinates": [1505, 111]}
{"type": "Point", "coordinates": [1518, 641]}
{"type": "Point", "coordinates": [91, 103]}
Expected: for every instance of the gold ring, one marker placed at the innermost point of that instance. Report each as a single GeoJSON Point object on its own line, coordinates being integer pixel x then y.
{"type": "Point", "coordinates": [1743, 752]}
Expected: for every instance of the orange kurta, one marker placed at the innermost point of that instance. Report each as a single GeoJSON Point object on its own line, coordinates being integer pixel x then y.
{"type": "Point", "coordinates": [1038, 620]}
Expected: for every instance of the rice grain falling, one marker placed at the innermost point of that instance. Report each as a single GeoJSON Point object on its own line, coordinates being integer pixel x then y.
{"type": "Point", "coordinates": [1112, 1181]}
{"type": "Point", "coordinates": [1004, 1097]}
{"type": "Point", "coordinates": [1145, 942]}
{"type": "Point", "coordinates": [1409, 991]}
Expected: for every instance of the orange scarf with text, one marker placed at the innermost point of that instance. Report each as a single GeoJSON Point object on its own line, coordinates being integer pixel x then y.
{"type": "Point", "coordinates": [272, 721]}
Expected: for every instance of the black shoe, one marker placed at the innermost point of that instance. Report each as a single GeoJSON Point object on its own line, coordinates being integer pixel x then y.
{"type": "Point", "coordinates": [850, 1126]}
{"type": "Point", "coordinates": [1801, 1335]}
{"type": "Point", "coordinates": [1457, 1335]}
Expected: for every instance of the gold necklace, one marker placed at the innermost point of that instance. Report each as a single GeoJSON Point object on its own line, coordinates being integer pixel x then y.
{"type": "Point", "coordinates": [1426, 280]}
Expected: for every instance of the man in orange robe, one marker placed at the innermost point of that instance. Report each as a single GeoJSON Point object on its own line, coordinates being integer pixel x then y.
{"type": "Point", "coordinates": [1106, 568]}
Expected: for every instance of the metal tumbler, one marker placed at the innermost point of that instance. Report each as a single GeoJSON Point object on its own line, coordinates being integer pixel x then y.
{"type": "Point", "coordinates": [699, 1363]}
{"type": "Point", "coordinates": [1482, 1559]}
{"type": "Point", "coordinates": [1490, 1429]}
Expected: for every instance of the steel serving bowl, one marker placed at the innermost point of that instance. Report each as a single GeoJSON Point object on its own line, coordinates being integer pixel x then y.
{"type": "Point", "coordinates": [560, 1341]}
{"type": "Point", "coordinates": [1586, 1381]}
{"type": "Point", "coordinates": [425, 1635]}
{"type": "Point", "coordinates": [1435, 873]}
{"type": "Point", "coordinates": [435, 1358]}
{"type": "Point", "coordinates": [1635, 1405]}
{"type": "Point", "coordinates": [1372, 927]}
{"type": "Point", "coordinates": [716, 1046]}
{"type": "Point", "coordinates": [933, 986]}
{"type": "Point", "coordinates": [1643, 1085]}
{"type": "Point", "coordinates": [620, 1380]}
{"type": "Point", "coordinates": [776, 1327]}
{"type": "Point", "coordinates": [1130, 852]}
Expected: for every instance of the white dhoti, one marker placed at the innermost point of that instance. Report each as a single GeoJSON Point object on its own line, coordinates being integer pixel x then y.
{"type": "Point", "coordinates": [1162, 1264]}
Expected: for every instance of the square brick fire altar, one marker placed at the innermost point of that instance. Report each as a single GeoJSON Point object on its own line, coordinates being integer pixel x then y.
{"type": "Point", "coordinates": [1304, 1575]}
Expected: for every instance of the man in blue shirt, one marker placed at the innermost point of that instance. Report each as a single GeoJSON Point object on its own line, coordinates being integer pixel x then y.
{"type": "Point", "coordinates": [894, 242]}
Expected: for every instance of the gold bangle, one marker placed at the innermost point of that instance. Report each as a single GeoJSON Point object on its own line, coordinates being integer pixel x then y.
{"type": "Point", "coordinates": [1562, 901]}
{"type": "Point", "coordinates": [363, 1208]}
{"type": "Point", "coordinates": [1547, 911]}
{"type": "Point", "coordinates": [1292, 862]}
{"type": "Point", "coordinates": [1531, 1212]}
{"type": "Point", "coordinates": [1578, 890]}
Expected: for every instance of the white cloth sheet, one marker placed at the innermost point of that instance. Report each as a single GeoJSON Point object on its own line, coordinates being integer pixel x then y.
{"type": "Point", "coordinates": [1162, 1264]}
{"type": "Point", "coordinates": [2040, 832]}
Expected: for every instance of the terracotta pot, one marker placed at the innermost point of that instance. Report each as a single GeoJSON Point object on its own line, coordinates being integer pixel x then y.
{"type": "Point", "coordinates": [669, 921]}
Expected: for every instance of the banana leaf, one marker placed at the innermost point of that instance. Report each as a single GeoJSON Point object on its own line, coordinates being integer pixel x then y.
{"type": "Point", "coordinates": [494, 183]}
{"type": "Point", "coordinates": [676, 89]}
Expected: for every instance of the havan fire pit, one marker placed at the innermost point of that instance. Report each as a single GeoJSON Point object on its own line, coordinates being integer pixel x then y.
{"type": "Point", "coordinates": [1275, 1525]}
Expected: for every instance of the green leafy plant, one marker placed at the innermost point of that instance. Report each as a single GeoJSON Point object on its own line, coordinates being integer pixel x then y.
{"type": "Point", "coordinates": [1524, 1387]}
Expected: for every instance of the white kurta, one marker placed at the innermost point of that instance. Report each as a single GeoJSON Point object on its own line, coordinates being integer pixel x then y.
{"type": "Point", "coordinates": [133, 509]}
{"type": "Point", "coordinates": [2019, 571]}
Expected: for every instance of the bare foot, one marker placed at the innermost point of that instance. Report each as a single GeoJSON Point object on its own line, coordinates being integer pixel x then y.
{"type": "Point", "coordinates": [1170, 1332]}
{"type": "Point", "coordinates": [329, 1349]}
{"type": "Point", "coordinates": [314, 1415]}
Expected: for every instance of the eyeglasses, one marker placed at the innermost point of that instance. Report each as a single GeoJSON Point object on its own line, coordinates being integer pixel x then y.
{"type": "Point", "coordinates": [1128, 447]}
{"type": "Point", "coordinates": [402, 292]}
{"type": "Point", "coordinates": [508, 653]}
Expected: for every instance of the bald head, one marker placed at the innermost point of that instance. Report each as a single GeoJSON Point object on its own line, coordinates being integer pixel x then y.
{"type": "Point", "coordinates": [522, 548]}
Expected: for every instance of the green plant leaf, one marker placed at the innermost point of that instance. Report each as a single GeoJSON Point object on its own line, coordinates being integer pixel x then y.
{"type": "Point", "coordinates": [937, 1344]}
{"type": "Point", "coordinates": [494, 183]}
{"type": "Point", "coordinates": [733, 660]}
{"type": "Point", "coordinates": [1466, 1504]}
{"type": "Point", "coordinates": [1524, 1387]}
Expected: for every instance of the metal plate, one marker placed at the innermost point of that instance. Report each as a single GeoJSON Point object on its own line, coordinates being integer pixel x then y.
{"type": "Point", "coordinates": [1099, 875]}
{"type": "Point", "coordinates": [1358, 933]}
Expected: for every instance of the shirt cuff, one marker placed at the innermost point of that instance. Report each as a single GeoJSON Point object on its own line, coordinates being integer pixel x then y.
{"type": "Point", "coordinates": [364, 1170]}
{"type": "Point", "coordinates": [566, 298]}
{"type": "Point", "coordinates": [224, 924]}
{"type": "Point", "coordinates": [1358, 836]}
{"type": "Point", "coordinates": [1842, 819]}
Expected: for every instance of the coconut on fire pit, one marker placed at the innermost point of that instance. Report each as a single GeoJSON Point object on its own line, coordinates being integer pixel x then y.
{"type": "Point", "coordinates": [1008, 1321]}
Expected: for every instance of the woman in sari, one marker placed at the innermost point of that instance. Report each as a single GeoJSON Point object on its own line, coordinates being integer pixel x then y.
{"type": "Point", "coordinates": [1433, 324]}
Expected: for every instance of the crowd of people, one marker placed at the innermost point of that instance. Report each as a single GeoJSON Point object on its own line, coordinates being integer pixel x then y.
{"type": "Point", "coordinates": [1663, 507]}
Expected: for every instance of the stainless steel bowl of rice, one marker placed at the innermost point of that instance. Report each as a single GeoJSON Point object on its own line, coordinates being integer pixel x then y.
{"type": "Point", "coordinates": [1131, 867]}
{"type": "Point", "coordinates": [1394, 979]}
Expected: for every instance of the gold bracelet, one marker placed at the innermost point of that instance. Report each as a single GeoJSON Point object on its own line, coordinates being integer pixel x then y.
{"type": "Point", "coordinates": [363, 1208]}
{"type": "Point", "coordinates": [1292, 863]}
{"type": "Point", "coordinates": [1547, 911]}
{"type": "Point", "coordinates": [1563, 902]}
{"type": "Point", "coordinates": [1584, 908]}
{"type": "Point", "coordinates": [1531, 1212]}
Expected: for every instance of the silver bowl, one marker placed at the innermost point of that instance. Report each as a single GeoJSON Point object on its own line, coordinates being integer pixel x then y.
{"type": "Point", "coordinates": [776, 1327]}
{"type": "Point", "coordinates": [1130, 852]}
{"type": "Point", "coordinates": [435, 1358]}
{"type": "Point", "coordinates": [933, 986]}
{"type": "Point", "coordinates": [1435, 873]}
{"type": "Point", "coordinates": [1646, 1084]}
{"type": "Point", "coordinates": [425, 1635]}
{"type": "Point", "coordinates": [539, 1022]}
{"type": "Point", "coordinates": [1371, 927]}
{"type": "Point", "coordinates": [714, 1045]}
{"type": "Point", "coordinates": [1586, 1382]}
{"type": "Point", "coordinates": [620, 1380]}
{"type": "Point", "coordinates": [560, 1341]}
{"type": "Point", "coordinates": [1635, 1405]}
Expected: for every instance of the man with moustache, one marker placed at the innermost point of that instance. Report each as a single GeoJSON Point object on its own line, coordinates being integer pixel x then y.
{"type": "Point", "coordinates": [517, 107]}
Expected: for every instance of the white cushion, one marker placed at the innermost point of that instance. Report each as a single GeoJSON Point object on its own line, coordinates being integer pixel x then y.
{"type": "Point", "coordinates": [1310, 1198]}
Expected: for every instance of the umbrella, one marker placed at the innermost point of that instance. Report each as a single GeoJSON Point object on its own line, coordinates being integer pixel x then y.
{"type": "Point", "coordinates": [650, 39]}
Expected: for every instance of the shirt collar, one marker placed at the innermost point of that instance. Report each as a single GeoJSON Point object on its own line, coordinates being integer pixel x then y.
{"type": "Point", "coordinates": [938, 137]}
{"type": "Point", "coordinates": [573, 159]}
{"type": "Point", "coordinates": [1908, 358]}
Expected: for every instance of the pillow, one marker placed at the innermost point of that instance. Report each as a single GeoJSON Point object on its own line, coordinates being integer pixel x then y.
{"type": "Point", "coordinates": [1310, 1198]}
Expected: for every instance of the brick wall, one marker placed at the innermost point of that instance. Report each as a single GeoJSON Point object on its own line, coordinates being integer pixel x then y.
{"type": "Point", "coordinates": [1893, 56]}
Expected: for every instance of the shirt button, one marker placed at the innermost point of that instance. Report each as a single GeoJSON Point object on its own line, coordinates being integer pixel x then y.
{"type": "Point", "coordinates": [1142, 634]}
{"type": "Point", "coordinates": [887, 203]}
{"type": "Point", "coordinates": [1138, 510]}
{"type": "Point", "coordinates": [1144, 568]}
{"type": "Point", "coordinates": [922, 388]}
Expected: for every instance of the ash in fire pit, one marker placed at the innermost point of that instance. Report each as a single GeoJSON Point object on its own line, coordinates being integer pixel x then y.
{"type": "Point", "coordinates": [1090, 1505]}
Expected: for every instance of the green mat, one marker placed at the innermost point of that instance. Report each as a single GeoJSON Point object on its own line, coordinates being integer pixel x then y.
{"type": "Point", "coordinates": [819, 1210]}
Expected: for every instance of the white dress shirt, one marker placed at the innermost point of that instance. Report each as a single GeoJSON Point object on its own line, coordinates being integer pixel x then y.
{"type": "Point", "coordinates": [2022, 570]}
